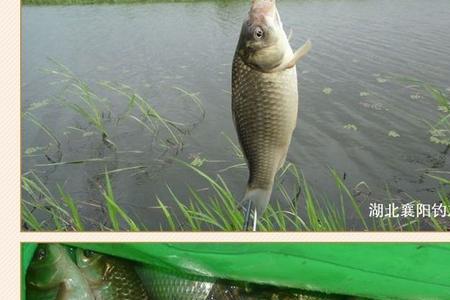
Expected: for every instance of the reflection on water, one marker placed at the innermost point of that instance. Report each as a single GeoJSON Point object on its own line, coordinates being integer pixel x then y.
{"type": "Point", "coordinates": [354, 115]}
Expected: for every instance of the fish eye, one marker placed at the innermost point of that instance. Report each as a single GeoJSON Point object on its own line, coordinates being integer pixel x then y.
{"type": "Point", "coordinates": [258, 33]}
{"type": "Point", "coordinates": [88, 253]}
{"type": "Point", "coordinates": [41, 254]}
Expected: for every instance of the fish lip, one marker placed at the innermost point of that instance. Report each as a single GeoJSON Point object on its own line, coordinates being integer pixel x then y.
{"type": "Point", "coordinates": [262, 11]}
{"type": "Point", "coordinates": [84, 262]}
{"type": "Point", "coordinates": [263, 7]}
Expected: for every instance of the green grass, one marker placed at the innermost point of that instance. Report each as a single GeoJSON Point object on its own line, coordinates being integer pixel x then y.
{"type": "Point", "coordinates": [96, 111]}
{"type": "Point", "coordinates": [306, 209]}
{"type": "Point", "coordinates": [220, 209]}
{"type": "Point", "coordinates": [296, 204]}
{"type": "Point", "coordinates": [94, 117]}
{"type": "Point", "coordinates": [438, 129]}
{"type": "Point", "coordinates": [62, 212]}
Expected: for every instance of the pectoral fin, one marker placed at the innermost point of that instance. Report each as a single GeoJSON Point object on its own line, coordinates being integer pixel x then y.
{"type": "Point", "coordinates": [299, 54]}
{"type": "Point", "coordinates": [289, 35]}
{"type": "Point", "coordinates": [63, 292]}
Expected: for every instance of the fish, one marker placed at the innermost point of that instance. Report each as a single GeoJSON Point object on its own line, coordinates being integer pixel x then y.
{"type": "Point", "coordinates": [59, 272]}
{"type": "Point", "coordinates": [226, 290]}
{"type": "Point", "coordinates": [109, 277]}
{"type": "Point", "coordinates": [264, 100]}
{"type": "Point", "coordinates": [168, 284]}
{"type": "Point", "coordinates": [52, 275]}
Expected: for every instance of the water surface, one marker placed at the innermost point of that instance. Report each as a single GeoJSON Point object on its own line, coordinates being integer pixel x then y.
{"type": "Point", "coordinates": [345, 80]}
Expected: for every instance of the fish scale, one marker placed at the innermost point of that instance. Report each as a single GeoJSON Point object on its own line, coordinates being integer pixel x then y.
{"type": "Point", "coordinates": [265, 108]}
{"type": "Point", "coordinates": [126, 284]}
{"type": "Point", "coordinates": [110, 278]}
{"type": "Point", "coordinates": [264, 100]}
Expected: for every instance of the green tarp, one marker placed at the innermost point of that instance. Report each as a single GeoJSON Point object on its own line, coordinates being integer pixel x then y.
{"type": "Point", "coordinates": [378, 271]}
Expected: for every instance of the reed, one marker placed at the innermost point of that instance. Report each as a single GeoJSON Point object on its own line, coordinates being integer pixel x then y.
{"type": "Point", "coordinates": [439, 128]}
{"type": "Point", "coordinates": [306, 210]}
{"type": "Point", "coordinates": [296, 205]}
{"type": "Point", "coordinates": [62, 210]}
{"type": "Point", "coordinates": [220, 210]}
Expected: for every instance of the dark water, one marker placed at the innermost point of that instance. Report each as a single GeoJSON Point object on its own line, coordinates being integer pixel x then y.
{"type": "Point", "coordinates": [357, 47]}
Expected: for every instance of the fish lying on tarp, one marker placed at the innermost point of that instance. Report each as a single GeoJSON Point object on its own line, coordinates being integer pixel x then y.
{"type": "Point", "coordinates": [264, 100]}
{"type": "Point", "coordinates": [110, 278]}
{"type": "Point", "coordinates": [224, 290]}
{"type": "Point", "coordinates": [66, 273]}
{"type": "Point", "coordinates": [167, 284]}
{"type": "Point", "coordinates": [52, 275]}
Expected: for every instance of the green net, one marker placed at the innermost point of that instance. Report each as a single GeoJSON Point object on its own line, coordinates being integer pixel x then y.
{"type": "Point", "coordinates": [377, 271]}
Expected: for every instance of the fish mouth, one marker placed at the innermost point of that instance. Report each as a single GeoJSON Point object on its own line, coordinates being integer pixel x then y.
{"type": "Point", "coordinates": [265, 7]}
{"type": "Point", "coordinates": [262, 9]}
{"type": "Point", "coordinates": [264, 13]}
{"type": "Point", "coordinates": [82, 261]}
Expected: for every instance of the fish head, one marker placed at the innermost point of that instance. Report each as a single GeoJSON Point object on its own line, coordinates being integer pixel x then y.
{"type": "Point", "coordinates": [91, 264]}
{"type": "Point", "coordinates": [45, 267]}
{"type": "Point", "coordinates": [263, 44]}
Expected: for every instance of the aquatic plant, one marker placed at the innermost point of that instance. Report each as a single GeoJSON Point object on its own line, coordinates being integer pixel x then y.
{"type": "Point", "coordinates": [96, 110]}
{"type": "Point", "coordinates": [296, 205]}
{"type": "Point", "coordinates": [303, 210]}
{"type": "Point", "coordinates": [96, 117]}
{"type": "Point", "coordinates": [438, 129]}
{"type": "Point", "coordinates": [62, 211]}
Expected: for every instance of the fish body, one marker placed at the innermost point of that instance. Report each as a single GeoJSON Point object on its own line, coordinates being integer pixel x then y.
{"type": "Point", "coordinates": [110, 278]}
{"type": "Point", "coordinates": [223, 290]}
{"type": "Point", "coordinates": [52, 275]}
{"type": "Point", "coordinates": [264, 98]}
{"type": "Point", "coordinates": [64, 273]}
{"type": "Point", "coordinates": [165, 284]}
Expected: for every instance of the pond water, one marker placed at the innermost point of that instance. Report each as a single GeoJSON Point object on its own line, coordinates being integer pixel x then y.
{"type": "Point", "coordinates": [349, 80]}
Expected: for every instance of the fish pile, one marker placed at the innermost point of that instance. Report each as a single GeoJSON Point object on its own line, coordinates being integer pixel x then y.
{"type": "Point", "coordinates": [58, 272]}
{"type": "Point", "coordinates": [264, 100]}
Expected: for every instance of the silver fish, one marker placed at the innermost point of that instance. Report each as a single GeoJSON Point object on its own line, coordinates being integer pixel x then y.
{"type": "Point", "coordinates": [52, 275]}
{"type": "Point", "coordinates": [165, 284]}
{"type": "Point", "coordinates": [109, 277]}
{"type": "Point", "coordinates": [264, 100]}
{"type": "Point", "coordinates": [223, 290]}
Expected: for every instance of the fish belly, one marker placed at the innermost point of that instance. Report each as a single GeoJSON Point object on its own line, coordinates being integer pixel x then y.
{"type": "Point", "coordinates": [264, 107]}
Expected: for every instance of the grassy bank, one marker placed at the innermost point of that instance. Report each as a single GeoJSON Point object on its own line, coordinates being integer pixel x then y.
{"type": "Point", "coordinates": [296, 204]}
{"type": "Point", "coordinates": [220, 210]}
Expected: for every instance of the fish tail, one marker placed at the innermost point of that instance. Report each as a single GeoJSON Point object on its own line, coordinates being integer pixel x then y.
{"type": "Point", "coordinates": [255, 199]}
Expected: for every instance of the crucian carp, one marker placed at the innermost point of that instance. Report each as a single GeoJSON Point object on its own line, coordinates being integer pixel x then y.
{"type": "Point", "coordinates": [264, 100]}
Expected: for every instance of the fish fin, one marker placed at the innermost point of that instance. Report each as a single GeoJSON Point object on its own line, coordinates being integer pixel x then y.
{"type": "Point", "coordinates": [63, 291]}
{"type": "Point", "coordinates": [282, 161]}
{"type": "Point", "coordinates": [259, 197]}
{"type": "Point", "coordinates": [299, 54]}
{"type": "Point", "coordinates": [289, 35]}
